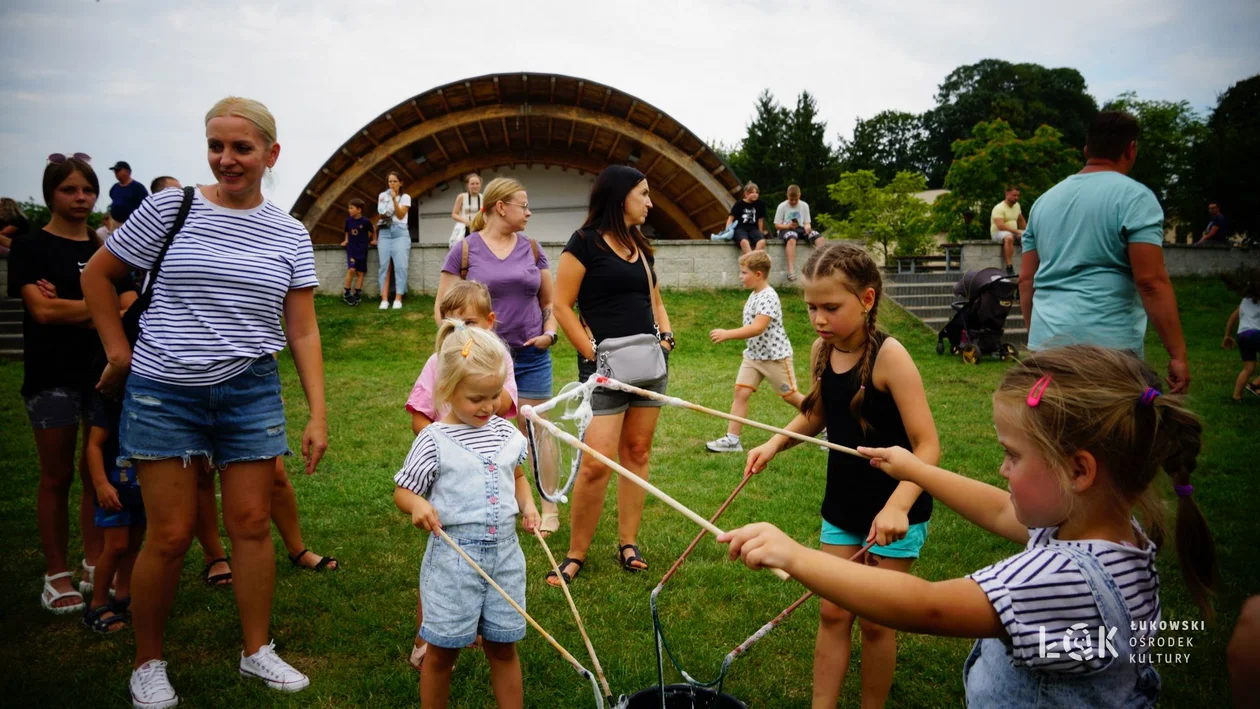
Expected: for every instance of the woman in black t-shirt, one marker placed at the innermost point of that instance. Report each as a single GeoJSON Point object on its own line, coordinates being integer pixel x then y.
{"type": "Point", "coordinates": [601, 271]}
{"type": "Point", "coordinates": [62, 360]}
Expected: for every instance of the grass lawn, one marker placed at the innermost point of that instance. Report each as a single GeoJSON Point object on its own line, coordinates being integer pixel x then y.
{"type": "Point", "coordinates": [351, 630]}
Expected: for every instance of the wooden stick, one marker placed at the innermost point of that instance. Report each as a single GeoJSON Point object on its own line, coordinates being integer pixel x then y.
{"type": "Point", "coordinates": [590, 649]}
{"type": "Point", "coordinates": [655, 491]}
{"type": "Point", "coordinates": [673, 400]}
{"type": "Point", "coordinates": [572, 660]}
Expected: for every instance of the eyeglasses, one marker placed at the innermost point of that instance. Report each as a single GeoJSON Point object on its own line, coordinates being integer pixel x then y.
{"type": "Point", "coordinates": [518, 204]}
{"type": "Point", "coordinates": [58, 158]}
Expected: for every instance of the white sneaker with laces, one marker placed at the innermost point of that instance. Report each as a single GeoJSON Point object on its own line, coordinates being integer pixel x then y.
{"type": "Point", "coordinates": [822, 435]}
{"type": "Point", "coordinates": [150, 689]}
{"type": "Point", "coordinates": [725, 444]}
{"type": "Point", "coordinates": [278, 674]}
{"type": "Point", "coordinates": [384, 305]}
{"type": "Point", "coordinates": [397, 305]}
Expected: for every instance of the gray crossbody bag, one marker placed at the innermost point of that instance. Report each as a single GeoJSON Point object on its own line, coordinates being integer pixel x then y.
{"type": "Point", "coordinates": [633, 359]}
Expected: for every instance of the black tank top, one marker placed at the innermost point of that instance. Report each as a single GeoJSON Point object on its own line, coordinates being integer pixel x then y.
{"type": "Point", "coordinates": [856, 492]}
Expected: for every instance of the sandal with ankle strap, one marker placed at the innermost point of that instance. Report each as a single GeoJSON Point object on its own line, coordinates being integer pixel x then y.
{"type": "Point", "coordinates": [93, 620]}
{"type": "Point", "coordinates": [51, 595]}
{"type": "Point", "coordinates": [324, 561]}
{"type": "Point", "coordinates": [223, 579]}
{"type": "Point", "coordinates": [568, 578]}
{"type": "Point", "coordinates": [627, 562]}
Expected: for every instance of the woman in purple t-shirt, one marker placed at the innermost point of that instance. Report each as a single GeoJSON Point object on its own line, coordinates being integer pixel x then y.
{"type": "Point", "coordinates": [515, 269]}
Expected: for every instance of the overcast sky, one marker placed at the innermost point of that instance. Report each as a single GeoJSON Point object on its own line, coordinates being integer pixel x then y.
{"type": "Point", "coordinates": [132, 79]}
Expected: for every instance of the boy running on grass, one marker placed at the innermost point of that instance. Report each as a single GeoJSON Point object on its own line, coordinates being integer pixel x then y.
{"type": "Point", "coordinates": [768, 354]}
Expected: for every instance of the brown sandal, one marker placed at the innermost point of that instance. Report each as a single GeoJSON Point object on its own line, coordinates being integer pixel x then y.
{"type": "Point", "coordinates": [568, 578]}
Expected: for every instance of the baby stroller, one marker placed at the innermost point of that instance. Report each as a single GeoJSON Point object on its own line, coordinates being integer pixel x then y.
{"type": "Point", "coordinates": [982, 300]}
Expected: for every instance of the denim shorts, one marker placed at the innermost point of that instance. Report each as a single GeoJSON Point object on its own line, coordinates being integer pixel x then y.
{"type": "Point", "coordinates": [459, 604]}
{"type": "Point", "coordinates": [533, 372]}
{"type": "Point", "coordinates": [1249, 344]}
{"type": "Point", "coordinates": [59, 407]}
{"type": "Point", "coordinates": [238, 420]}
{"type": "Point", "coordinates": [607, 402]}
{"type": "Point", "coordinates": [908, 547]}
{"type": "Point", "coordinates": [131, 515]}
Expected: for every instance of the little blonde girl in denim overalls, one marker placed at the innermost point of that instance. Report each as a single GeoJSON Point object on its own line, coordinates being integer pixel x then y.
{"type": "Point", "coordinates": [463, 475]}
{"type": "Point", "coordinates": [1071, 620]}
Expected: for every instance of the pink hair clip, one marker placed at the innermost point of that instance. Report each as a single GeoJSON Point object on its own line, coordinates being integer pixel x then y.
{"type": "Point", "coordinates": [1034, 396]}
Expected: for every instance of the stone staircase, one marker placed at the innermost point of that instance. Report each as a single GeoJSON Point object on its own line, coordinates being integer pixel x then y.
{"type": "Point", "coordinates": [10, 328]}
{"type": "Point", "coordinates": [928, 294]}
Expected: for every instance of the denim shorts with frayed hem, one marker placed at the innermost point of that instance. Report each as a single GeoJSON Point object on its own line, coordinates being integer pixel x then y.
{"type": "Point", "coordinates": [533, 372]}
{"type": "Point", "coordinates": [235, 421]}
{"type": "Point", "coordinates": [608, 402]}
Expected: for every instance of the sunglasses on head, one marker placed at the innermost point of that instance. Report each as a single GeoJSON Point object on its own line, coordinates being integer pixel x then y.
{"type": "Point", "coordinates": [58, 158]}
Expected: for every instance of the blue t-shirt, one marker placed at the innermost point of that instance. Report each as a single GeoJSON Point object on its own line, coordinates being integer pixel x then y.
{"type": "Point", "coordinates": [124, 200]}
{"type": "Point", "coordinates": [1081, 229]}
{"type": "Point", "coordinates": [1222, 231]}
{"type": "Point", "coordinates": [357, 233]}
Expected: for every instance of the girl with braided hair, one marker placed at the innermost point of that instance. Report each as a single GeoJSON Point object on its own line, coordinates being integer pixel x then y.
{"type": "Point", "coordinates": [865, 390]}
{"type": "Point", "coordinates": [1072, 620]}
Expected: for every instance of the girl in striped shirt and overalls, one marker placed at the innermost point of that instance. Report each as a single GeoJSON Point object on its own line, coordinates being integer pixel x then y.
{"type": "Point", "coordinates": [1064, 622]}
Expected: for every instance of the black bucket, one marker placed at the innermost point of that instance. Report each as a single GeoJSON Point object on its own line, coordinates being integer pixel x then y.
{"type": "Point", "coordinates": [683, 696]}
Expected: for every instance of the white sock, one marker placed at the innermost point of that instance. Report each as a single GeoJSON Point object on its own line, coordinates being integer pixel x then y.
{"type": "Point", "coordinates": [733, 438]}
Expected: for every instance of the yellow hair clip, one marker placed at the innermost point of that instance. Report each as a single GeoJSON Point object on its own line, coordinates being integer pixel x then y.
{"type": "Point", "coordinates": [467, 348]}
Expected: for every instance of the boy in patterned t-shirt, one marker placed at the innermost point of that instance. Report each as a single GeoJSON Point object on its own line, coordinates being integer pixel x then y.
{"type": "Point", "coordinates": [768, 354]}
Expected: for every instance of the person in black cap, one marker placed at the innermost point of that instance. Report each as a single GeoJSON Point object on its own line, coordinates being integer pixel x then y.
{"type": "Point", "coordinates": [126, 194]}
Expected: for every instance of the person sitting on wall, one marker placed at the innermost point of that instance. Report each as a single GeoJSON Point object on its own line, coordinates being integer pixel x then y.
{"type": "Point", "coordinates": [1007, 224]}
{"type": "Point", "coordinates": [791, 220]}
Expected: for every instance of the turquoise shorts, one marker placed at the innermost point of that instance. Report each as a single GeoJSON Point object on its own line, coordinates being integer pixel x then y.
{"type": "Point", "coordinates": [907, 548]}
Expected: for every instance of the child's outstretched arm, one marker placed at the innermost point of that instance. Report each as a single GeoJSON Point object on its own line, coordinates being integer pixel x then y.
{"type": "Point", "coordinates": [106, 495]}
{"type": "Point", "coordinates": [981, 503]}
{"type": "Point", "coordinates": [758, 326]}
{"type": "Point", "coordinates": [955, 608]}
{"type": "Point", "coordinates": [530, 518]}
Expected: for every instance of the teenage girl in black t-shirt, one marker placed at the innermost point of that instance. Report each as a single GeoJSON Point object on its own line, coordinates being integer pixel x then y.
{"type": "Point", "coordinates": [866, 391]}
{"type": "Point", "coordinates": [602, 273]}
{"type": "Point", "coordinates": [62, 360]}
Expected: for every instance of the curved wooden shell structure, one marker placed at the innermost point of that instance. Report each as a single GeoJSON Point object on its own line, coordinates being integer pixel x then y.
{"type": "Point", "coordinates": [527, 119]}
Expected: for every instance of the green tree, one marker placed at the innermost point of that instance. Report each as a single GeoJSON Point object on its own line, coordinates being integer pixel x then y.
{"type": "Point", "coordinates": [809, 161]}
{"type": "Point", "coordinates": [760, 155]}
{"type": "Point", "coordinates": [887, 143]}
{"type": "Point", "coordinates": [989, 161]}
{"type": "Point", "coordinates": [1026, 96]}
{"type": "Point", "coordinates": [37, 215]}
{"type": "Point", "coordinates": [1225, 161]}
{"type": "Point", "coordinates": [890, 216]}
{"type": "Point", "coordinates": [1170, 131]}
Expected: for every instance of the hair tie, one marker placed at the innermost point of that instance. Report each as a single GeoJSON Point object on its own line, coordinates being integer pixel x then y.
{"type": "Point", "coordinates": [1182, 490]}
{"type": "Point", "coordinates": [467, 347]}
{"type": "Point", "coordinates": [1034, 395]}
{"type": "Point", "coordinates": [1148, 399]}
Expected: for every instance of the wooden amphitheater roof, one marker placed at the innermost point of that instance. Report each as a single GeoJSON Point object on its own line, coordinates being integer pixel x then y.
{"type": "Point", "coordinates": [501, 120]}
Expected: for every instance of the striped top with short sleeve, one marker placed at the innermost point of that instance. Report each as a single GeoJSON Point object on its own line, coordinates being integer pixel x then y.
{"type": "Point", "coordinates": [421, 467]}
{"type": "Point", "coordinates": [1041, 588]}
{"type": "Point", "coordinates": [220, 291]}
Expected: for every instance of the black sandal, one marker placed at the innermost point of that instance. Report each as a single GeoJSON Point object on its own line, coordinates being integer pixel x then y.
{"type": "Point", "coordinates": [627, 561]}
{"type": "Point", "coordinates": [324, 561]}
{"type": "Point", "coordinates": [93, 621]}
{"type": "Point", "coordinates": [567, 578]}
{"type": "Point", "coordinates": [223, 579]}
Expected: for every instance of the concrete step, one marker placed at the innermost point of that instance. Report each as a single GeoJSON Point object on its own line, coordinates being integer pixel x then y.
{"type": "Point", "coordinates": [950, 277]}
{"type": "Point", "coordinates": [10, 328]}
{"type": "Point", "coordinates": [11, 341]}
{"type": "Point", "coordinates": [943, 314]}
{"type": "Point", "coordinates": [921, 301]}
{"type": "Point", "coordinates": [11, 316]}
{"type": "Point", "coordinates": [896, 290]}
{"type": "Point", "coordinates": [10, 305]}
{"type": "Point", "coordinates": [10, 354]}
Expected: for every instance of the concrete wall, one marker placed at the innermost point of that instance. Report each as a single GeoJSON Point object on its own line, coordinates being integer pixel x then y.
{"type": "Point", "coordinates": [1181, 260]}
{"type": "Point", "coordinates": [679, 264]}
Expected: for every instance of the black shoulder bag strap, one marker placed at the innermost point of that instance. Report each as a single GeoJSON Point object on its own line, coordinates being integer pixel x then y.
{"type": "Point", "coordinates": [131, 319]}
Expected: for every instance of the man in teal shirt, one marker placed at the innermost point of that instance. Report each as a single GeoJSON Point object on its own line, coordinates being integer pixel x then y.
{"type": "Point", "coordinates": [1093, 256]}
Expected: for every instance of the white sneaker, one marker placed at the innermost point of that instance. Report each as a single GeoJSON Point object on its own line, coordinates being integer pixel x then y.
{"type": "Point", "coordinates": [397, 305]}
{"type": "Point", "coordinates": [150, 689]}
{"type": "Point", "coordinates": [278, 674]}
{"type": "Point", "coordinates": [725, 444]}
{"type": "Point", "coordinates": [822, 435]}
{"type": "Point", "coordinates": [384, 305]}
